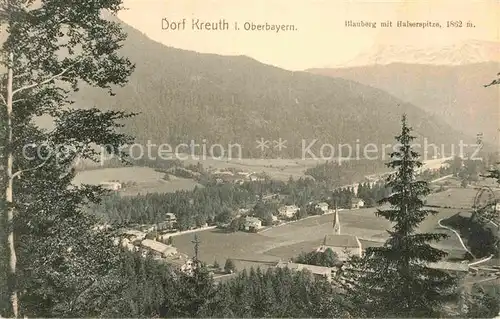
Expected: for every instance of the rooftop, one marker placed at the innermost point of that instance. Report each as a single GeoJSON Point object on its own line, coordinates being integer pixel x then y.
{"type": "Point", "coordinates": [133, 232]}
{"type": "Point", "coordinates": [450, 266]}
{"type": "Point", "coordinates": [348, 241]}
{"type": "Point", "coordinates": [318, 270]}
{"type": "Point", "coordinates": [176, 261]}
{"type": "Point", "coordinates": [157, 246]}
{"type": "Point", "coordinates": [170, 216]}
{"type": "Point", "coordinates": [250, 219]}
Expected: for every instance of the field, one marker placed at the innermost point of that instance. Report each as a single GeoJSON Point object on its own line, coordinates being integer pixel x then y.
{"type": "Point", "coordinates": [276, 168]}
{"type": "Point", "coordinates": [457, 197]}
{"type": "Point", "coordinates": [279, 169]}
{"type": "Point", "coordinates": [284, 242]}
{"type": "Point", "coordinates": [146, 180]}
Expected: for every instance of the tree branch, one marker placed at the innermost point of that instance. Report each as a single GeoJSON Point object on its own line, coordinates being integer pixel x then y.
{"type": "Point", "coordinates": [18, 173]}
{"type": "Point", "coordinates": [33, 85]}
{"type": "Point", "coordinates": [4, 101]}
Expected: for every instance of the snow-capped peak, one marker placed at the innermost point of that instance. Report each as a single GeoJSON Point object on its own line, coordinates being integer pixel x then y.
{"type": "Point", "coordinates": [467, 52]}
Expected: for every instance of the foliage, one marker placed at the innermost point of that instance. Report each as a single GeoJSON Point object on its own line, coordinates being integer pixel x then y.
{"type": "Point", "coordinates": [264, 211]}
{"type": "Point", "coordinates": [180, 104]}
{"type": "Point", "coordinates": [213, 203]}
{"type": "Point", "coordinates": [280, 293]}
{"type": "Point", "coordinates": [394, 280]}
{"type": "Point", "coordinates": [229, 266]}
{"type": "Point", "coordinates": [196, 295]}
{"type": "Point", "coordinates": [216, 264]}
{"type": "Point", "coordinates": [483, 303]}
{"type": "Point", "coordinates": [328, 258]}
{"type": "Point", "coordinates": [348, 172]}
{"type": "Point", "coordinates": [55, 46]}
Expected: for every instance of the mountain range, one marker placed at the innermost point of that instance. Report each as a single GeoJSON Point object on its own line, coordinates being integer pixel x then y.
{"type": "Point", "coordinates": [461, 53]}
{"type": "Point", "coordinates": [184, 95]}
{"type": "Point", "coordinates": [454, 93]}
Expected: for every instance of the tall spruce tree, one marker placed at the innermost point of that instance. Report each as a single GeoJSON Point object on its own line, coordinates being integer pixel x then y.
{"type": "Point", "coordinates": [395, 280]}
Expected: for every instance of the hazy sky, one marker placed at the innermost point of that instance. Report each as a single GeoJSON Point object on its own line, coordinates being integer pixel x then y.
{"type": "Point", "coordinates": [321, 39]}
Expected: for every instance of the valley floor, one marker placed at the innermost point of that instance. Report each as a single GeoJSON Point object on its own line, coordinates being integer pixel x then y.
{"type": "Point", "coordinates": [284, 242]}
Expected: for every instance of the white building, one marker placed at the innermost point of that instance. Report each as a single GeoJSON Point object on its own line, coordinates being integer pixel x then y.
{"type": "Point", "coordinates": [323, 206]}
{"type": "Point", "coordinates": [288, 211]}
{"type": "Point", "coordinates": [133, 234]}
{"type": "Point", "coordinates": [159, 249]}
{"type": "Point", "coordinates": [252, 223]}
{"type": "Point", "coordinates": [114, 186]}
{"type": "Point", "coordinates": [256, 178]}
{"type": "Point", "coordinates": [182, 263]}
{"type": "Point", "coordinates": [169, 223]}
{"type": "Point", "coordinates": [357, 203]}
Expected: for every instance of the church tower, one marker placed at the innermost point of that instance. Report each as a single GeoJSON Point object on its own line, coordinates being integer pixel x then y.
{"type": "Point", "coordinates": [336, 222]}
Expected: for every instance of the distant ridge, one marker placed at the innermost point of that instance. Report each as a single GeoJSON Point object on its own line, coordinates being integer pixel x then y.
{"type": "Point", "coordinates": [454, 93]}
{"type": "Point", "coordinates": [466, 52]}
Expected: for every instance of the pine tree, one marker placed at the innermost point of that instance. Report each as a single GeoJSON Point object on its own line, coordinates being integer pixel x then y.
{"type": "Point", "coordinates": [197, 294]}
{"type": "Point", "coordinates": [229, 266]}
{"type": "Point", "coordinates": [395, 280]}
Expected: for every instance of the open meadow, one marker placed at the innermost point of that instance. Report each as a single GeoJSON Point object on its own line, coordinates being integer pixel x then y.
{"type": "Point", "coordinates": [279, 169]}
{"type": "Point", "coordinates": [144, 180]}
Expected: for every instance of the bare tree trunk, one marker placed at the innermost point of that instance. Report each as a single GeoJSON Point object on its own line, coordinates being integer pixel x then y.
{"type": "Point", "coordinates": [9, 191]}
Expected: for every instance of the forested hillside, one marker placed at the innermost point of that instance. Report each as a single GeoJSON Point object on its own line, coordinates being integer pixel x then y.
{"type": "Point", "coordinates": [184, 95]}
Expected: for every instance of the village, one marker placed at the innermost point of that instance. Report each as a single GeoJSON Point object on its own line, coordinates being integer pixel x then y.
{"type": "Point", "coordinates": [344, 237]}
{"type": "Point", "coordinates": [157, 239]}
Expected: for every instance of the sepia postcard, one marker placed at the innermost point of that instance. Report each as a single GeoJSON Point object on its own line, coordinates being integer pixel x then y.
{"type": "Point", "coordinates": [250, 158]}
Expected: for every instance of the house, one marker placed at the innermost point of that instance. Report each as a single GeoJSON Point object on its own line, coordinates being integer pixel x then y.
{"type": "Point", "coordinates": [288, 211]}
{"type": "Point", "coordinates": [125, 242]}
{"type": "Point", "coordinates": [252, 223]}
{"type": "Point", "coordinates": [256, 178]}
{"type": "Point", "coordinates": [497, 207]}
{"type": "Point", "coordinates": [357, 203]}
{"type": "Point", "coordinates": [102, 227]}
{"type": "Point", "coordinates": [317, 271]}
{"type": "Point", "coordinates": [133, 235]}
{"type": "Point", "coordinates": [323, 206]}
{"type": "Point", "coordinates": [181, 263]}
{"type": "Point", "coordinates": [147, 228]}
{"type": "Point", "coordinates": [223, 173]}
{"type": "Point", "coordinates": [159, 249]}
{"type": "Point", "coordinates": [114, 186]}
{"type": "Point", "coordinates": [242, 211]}
{"type": "Point", "coordinates": [244, 174]}
{"type": "Point", "coordinates": [170, 222]}
{"type": "Point", "coordinates": [170, 217]}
